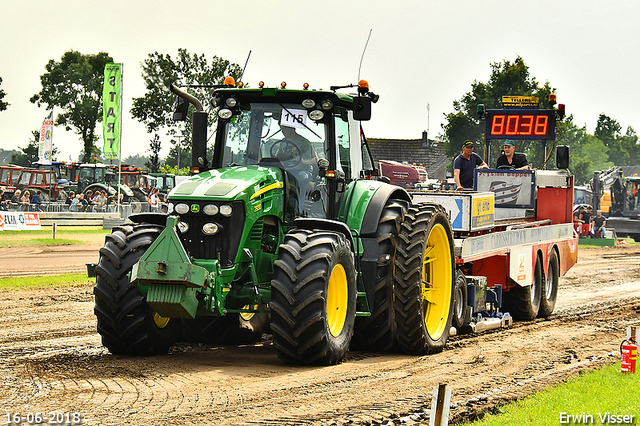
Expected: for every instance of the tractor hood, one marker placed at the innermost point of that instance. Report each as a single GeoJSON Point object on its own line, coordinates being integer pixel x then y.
{"type": "Point", "coordinates": [232, 183]}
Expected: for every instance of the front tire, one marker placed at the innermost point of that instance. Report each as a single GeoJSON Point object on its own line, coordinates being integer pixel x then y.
{"type": "Point", "coordinates": [313, 298]}
{"type": "Point", "coordinates": [126, 322]}
{"type": "Point", "coordinates": [423, 280]}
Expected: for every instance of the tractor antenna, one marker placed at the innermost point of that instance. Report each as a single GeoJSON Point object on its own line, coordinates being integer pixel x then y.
{"type": "Point", "coordinates": [245, 65]}
{"type": "Point", "coordinates": [363, 51]}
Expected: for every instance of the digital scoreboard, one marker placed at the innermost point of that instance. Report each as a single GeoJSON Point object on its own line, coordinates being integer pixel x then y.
{"type": "Point", "coordinates": [516, 123]}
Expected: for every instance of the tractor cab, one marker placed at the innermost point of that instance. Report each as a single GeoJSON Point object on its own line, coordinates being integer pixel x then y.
{"type": "Point", "coordinates": [282, 135]}
{"type": "Point", "coordinates": [311, 137]}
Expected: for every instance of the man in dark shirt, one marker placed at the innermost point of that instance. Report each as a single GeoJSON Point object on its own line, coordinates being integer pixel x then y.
{"type": "Point", "coordinates": [586, 215]}
{"type": "Point", "coordinates": [599, 222]}
{"type": "Point", "coordinates": [464, 166]}
{"type": "Point", "coordinates": [512, 159]}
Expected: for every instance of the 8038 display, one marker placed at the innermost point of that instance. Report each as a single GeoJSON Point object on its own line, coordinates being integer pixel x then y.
{"type": "Point", "coordinates": [529, 124]}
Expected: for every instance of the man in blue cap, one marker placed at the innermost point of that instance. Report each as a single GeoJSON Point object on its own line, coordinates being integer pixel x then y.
{"type": "Point", "coordinates": [511, 159]}
{"type": "Point", "coordinates": [464, 166]}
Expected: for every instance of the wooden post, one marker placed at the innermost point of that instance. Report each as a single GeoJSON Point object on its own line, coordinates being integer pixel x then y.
{"type": "Point", "coordinates": [54, 230]}
{"type": "Point", "coordinates": [440, 405]}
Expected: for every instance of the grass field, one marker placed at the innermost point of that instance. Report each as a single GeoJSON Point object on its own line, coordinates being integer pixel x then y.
{"type": "Point", "coordinates": [602, 396]}
{"type": "Point", "coordinates": [36, 283]}
{"type": "Point", "coordinates": [64, 235]}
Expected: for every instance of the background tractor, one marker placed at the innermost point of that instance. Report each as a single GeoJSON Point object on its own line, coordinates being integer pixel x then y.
{"type": "Point", "coordinates": [283, 230]}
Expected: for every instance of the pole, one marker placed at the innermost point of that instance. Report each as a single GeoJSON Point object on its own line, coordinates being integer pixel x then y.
{"type": "Point", "coordinates": [178, 167]}
{"type": "Point", "coordinates": [120, 144]}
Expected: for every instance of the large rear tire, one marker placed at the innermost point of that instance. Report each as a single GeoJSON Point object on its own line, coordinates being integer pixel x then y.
{"type": "Point", "coordinates": [549, 291]}
{"type": "Point", "coordinates": [423, 280]}
{"type": "Point", "coordinates": [523, 303]}
{"type": "Point", "coordinates": [378, 331]}
{"type": "Point", "coordinates": [126, 322]}
{"type": "Point", "coordinates": [313, 298]}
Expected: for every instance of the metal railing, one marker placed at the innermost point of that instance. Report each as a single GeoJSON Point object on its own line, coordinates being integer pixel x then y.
{"type": "Point", "coordinates": [126, 209]}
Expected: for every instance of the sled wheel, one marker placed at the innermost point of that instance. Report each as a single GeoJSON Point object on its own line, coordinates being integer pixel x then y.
{"type": "Point", "coordinates": [523, 303]}
{"type": "Point", "coordinates": [313, 298]}
{"type": "Point", "coordinates": [549, 292]}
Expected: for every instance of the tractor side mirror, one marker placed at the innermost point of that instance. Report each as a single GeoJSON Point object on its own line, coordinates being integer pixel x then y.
{"type": "Point", "coordinates": [562, 157]}
{"type": "Point", "coordinates": [180, 109]}
{"type": "Point", "coordinates": [362, 108]}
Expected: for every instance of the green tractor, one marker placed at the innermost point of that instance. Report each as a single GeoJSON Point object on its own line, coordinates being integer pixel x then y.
{"type": "Point", "coordinates": [284, 231]}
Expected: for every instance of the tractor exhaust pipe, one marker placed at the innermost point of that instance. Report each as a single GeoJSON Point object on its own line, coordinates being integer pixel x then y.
{"type": "Point", "coordinates": [199, 133]}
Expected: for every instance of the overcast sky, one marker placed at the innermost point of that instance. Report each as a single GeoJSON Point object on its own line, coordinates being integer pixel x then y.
{"type": "Point", "coordinates": [420, 53]}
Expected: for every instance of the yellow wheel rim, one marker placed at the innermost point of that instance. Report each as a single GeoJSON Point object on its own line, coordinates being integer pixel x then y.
{"type": "Point", "coordinates": [436, 281]}
{"type": "Point", "coordinates": [161, 322]}
{"type": "Point", "coordinates": [248, 315]}
{"type": "Point", "coordinates": [337, 300]}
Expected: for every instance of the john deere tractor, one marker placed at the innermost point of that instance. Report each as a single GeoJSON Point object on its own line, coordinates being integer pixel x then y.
{"type": "Point", "coordinates": [285, 230]}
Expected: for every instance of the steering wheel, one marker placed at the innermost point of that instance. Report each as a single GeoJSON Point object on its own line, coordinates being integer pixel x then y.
{"type": "Point", "coordinates": [287, 152]}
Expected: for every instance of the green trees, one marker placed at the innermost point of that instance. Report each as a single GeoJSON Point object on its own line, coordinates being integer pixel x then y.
{"type": "Point", "coordinates": [507, 78]}
{"type": "Point", "coordinates": [3, 104]}
{"type": "Point", "coordinates": [29, 153]}
{"type": "Point", "coordinates": [74, 84]}
{"type": "Point", "coordinates": [155, 108]}
{"type": "Point", "coordinates": [623, 149]}
{"type": "Point", "coordinates": [154, 162]}
{"type": "Point", "coordinates": [588, 153]}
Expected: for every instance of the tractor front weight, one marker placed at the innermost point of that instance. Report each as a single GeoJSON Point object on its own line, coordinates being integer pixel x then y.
{"type": "Point", "coordinates": [175, 286]}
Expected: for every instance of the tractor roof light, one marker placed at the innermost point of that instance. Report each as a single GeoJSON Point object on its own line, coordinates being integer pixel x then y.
{"type": "Point", "coordinates": [480, 110]}
{"type": "Point", "coordinates": [305, 86]}
{"type": "Point", "coordinates": [261, 84]}
{"type": "Point", "coordinates": [308, 103]}
{"type": "Point", "coordinates": [283, 84]}
{"type": "Point", "coordinates": [552, 99]}
{"type": "Point", "coordinates": [231, 102]}
{"type": "Point", "coordinates": [225, 113]}
{"type": "Point", "coordinates": [326, 104]}
{"type": "Point", "coordinates": [316, 115]}
{"type": "Point", "coordinates": [229, 81]}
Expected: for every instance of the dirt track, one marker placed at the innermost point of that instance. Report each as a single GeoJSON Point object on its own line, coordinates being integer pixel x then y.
{"type": "Point", "coordinates": [52, 360]}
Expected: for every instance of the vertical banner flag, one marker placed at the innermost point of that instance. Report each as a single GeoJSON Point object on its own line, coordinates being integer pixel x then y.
{"type": "Point", "coordinates": [45, 142]}
{"type": "Point", "coordinates": [111, 110]}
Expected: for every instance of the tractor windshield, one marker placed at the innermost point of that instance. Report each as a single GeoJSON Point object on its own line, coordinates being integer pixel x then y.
{"type": "Point", "coordinates": [281, 135]}
{"type": "Point", "coordinates": [274, 132]}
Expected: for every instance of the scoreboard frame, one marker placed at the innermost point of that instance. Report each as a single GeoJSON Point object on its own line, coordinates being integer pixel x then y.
{"type": "Point", "coordinates": [520, 124]}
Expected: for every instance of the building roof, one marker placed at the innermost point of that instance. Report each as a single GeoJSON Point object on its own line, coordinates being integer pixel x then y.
{"type": "Point", "coordinates": [419, 151]}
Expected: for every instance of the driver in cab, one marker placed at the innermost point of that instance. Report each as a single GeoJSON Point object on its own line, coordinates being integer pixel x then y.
{"type": "Point", "coordinates": [307, 155]}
